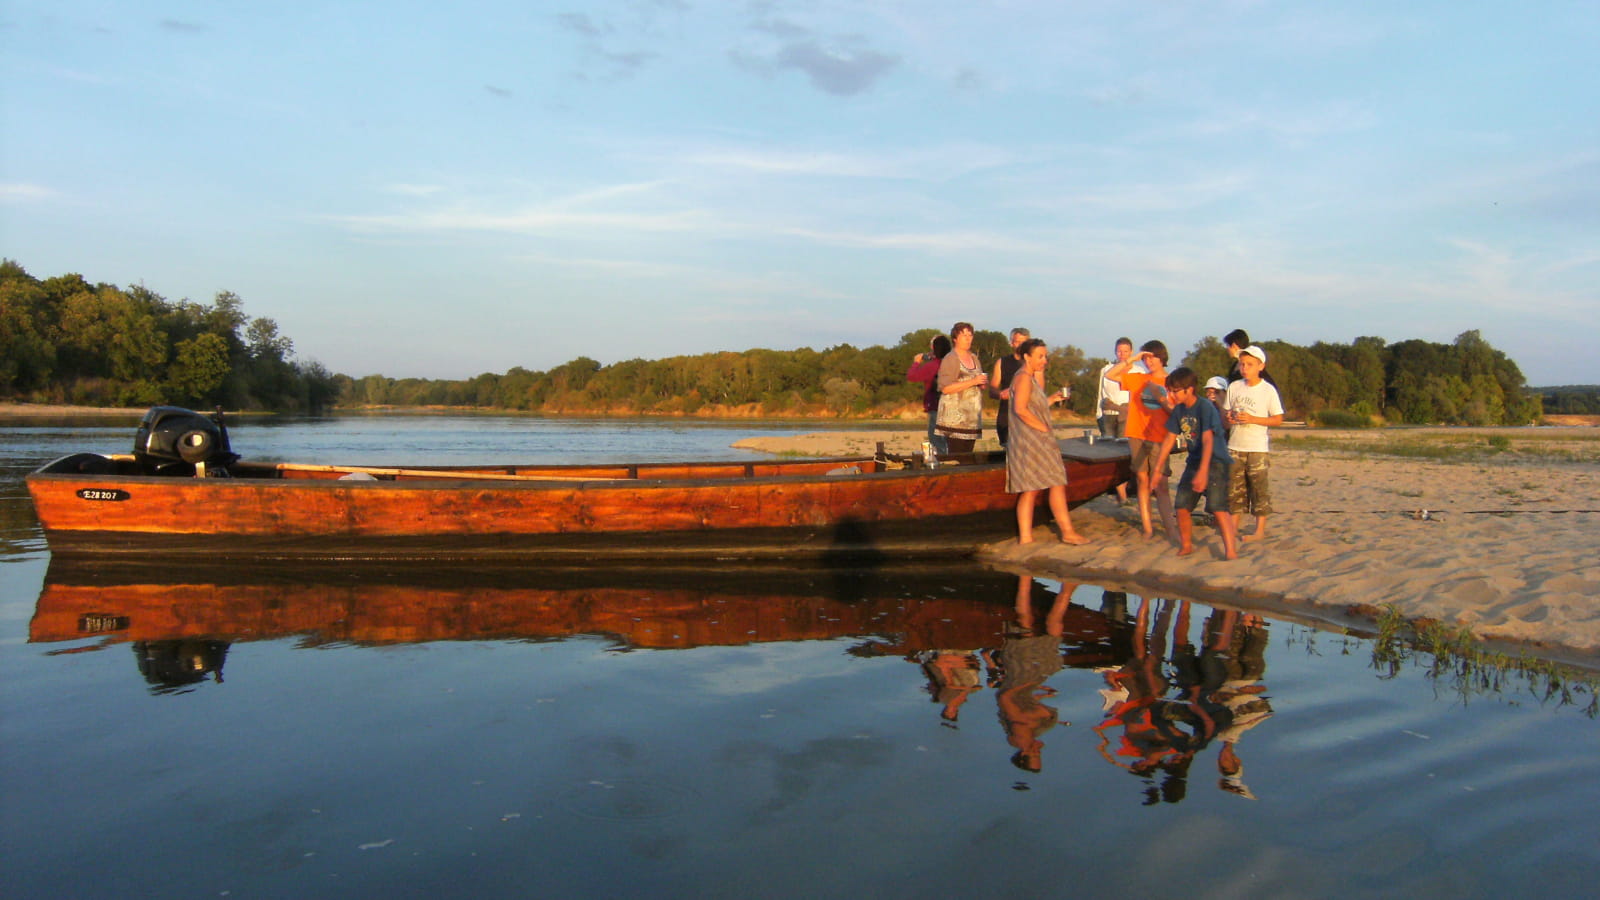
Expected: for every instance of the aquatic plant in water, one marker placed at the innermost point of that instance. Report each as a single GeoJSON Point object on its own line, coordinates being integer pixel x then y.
{"type": "Point", "coordinates": [1454, 656]}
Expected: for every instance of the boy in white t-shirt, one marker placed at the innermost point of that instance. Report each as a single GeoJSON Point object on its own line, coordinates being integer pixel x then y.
{"type": "Point", "coordinates": [1250, 407]}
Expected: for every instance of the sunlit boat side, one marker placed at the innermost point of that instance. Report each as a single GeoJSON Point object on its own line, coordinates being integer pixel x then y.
{"type": "Point", "coordinates": [868, 505]}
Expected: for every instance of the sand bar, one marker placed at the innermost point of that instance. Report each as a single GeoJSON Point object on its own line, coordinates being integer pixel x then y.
{"type": "Point", "coordinates": [1509, 546]}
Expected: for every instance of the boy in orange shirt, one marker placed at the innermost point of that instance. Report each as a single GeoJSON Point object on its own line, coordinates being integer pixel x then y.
{"type": "Point", "coordinates": [1146, 429]}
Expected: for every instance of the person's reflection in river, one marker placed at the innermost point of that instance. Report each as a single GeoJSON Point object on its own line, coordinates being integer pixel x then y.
{"type": "Point", "coordinates": [172, 667]}
{"type": "Point", "coordinates": [1212, 696]}
{"type": "Point", "coordinates": [1235, 662]}
{"type": "Point", "coordinates": [1029, 654]}
{"type": "Point", "coordinates": [1158, 734]}
{"type": "Point", "coordinates": [952, 677]}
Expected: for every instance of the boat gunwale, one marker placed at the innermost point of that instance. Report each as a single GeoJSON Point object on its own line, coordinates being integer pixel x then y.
{"type": "Point", "coordinates": [439, 478]}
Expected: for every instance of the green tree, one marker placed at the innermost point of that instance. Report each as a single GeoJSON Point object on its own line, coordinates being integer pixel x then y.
{"type": "Point", "coordinates": [27, 355]}
{"type": "Point", "coordinates": [199, 369]}
{"type": "Point", "coordinates": [1207, 358]}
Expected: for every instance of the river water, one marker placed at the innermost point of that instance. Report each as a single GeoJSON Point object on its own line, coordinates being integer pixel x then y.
{"type": "Point", "coordinates": [722, 731]}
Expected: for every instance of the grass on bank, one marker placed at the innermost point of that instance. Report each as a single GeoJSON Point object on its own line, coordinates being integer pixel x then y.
{"type": "Point", "coordinates": [1466, 446]}
{"type": "Point", "coordinates": [1455, 657]}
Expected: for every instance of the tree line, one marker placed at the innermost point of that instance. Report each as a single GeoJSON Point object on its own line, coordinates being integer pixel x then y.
{"type": "Point", "coordinates": [1571, 399]}
{"type": "Point", "coordinates": [63, 340]}
{"type": "Point", "coordinates": [1464, 382]}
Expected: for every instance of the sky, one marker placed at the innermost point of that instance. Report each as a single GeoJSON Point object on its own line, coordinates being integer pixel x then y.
{"type": "Point", "coordinates": [425, 189]}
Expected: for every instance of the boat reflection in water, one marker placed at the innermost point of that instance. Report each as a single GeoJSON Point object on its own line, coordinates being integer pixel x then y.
{"type": "Point", "coordinates": [1164, 697]}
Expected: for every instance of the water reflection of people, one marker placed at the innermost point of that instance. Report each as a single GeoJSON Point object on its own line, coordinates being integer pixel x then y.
{"type": "Point", "coordinates": [952, 677]}
{"type": "Point", "coordinates": [171, 666]}
{"type": "Point", "coordinates": [1237, 643]}
{"type": "Point", "coordinates": [1212, 696]}
{"type": "Point", "coordinates": [1029, 654]}
{"type": "Point", "coordinates": [1159, 733]}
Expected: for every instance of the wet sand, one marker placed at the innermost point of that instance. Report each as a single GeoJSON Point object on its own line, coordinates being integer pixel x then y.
{"type": "Point", "coordinates": [1509, 545]}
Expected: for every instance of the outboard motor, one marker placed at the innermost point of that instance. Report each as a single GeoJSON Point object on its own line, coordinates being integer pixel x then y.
{"type": "Point", "coordinates": [174, 441]}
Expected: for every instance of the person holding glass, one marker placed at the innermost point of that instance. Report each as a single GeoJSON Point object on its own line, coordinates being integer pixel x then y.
{"type": "Point", "coordinates": [1033, 458]}
{"type": "Point", "coordinates": [961, 389]}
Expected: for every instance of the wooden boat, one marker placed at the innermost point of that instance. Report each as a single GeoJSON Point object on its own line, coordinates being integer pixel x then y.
{"type": "Point", "coordinates": [153, 502]}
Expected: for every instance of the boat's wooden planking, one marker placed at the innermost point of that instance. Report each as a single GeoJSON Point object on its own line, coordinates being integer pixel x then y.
{"type": "Point", "coordinates": [251, 506]}
{"type": "Point", "coordinates": [745, 509]}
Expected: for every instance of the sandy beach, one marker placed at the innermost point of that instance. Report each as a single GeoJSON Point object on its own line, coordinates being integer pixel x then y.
{"type": "Point", "coordinates": [1509, 545]}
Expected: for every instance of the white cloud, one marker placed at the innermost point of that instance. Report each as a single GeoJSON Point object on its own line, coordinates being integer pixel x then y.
{"type": "Point", "coordinates": [22, 192]}
{"type": "Point", "coordinates": [931, 241]}
{"type": "Point", "coordinates": [934, 163]}
{"type": "Point", "coordinates": [413, 190]}
{"type": "Point", "coordinates": [530, 221]}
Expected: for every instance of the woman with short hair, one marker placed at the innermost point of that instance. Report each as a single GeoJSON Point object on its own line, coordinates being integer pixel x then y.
{"type": "Point", "coordinates": [961, 388]}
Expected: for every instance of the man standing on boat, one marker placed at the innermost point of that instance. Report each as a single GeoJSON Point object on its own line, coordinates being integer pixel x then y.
{"type": "Point", "coordinates": [1005, 369]}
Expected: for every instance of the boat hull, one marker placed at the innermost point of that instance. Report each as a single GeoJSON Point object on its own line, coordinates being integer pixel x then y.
{"type": "Point", "coordinates": [852, 507]}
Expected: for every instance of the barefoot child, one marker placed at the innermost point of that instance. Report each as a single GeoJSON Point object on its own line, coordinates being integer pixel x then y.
{"type": "Point", "coordinates": [1196, 424]}
{"type": "Point", "coordinates": [1251, 406]}
{"type": "Point", "coordinates": [1146, 427]}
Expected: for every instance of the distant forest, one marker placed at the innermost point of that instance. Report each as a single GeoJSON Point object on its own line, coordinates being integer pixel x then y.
{"type": "Point", "coordinates": [1571, 399]}
{"type": "Point", "coordinates": [63, 340]}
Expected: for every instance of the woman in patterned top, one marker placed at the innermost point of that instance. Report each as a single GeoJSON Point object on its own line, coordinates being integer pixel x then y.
{"type": "Point", "coordinates": [961, 383]}
{"type": "Point", "coordinates": [1033, 458]}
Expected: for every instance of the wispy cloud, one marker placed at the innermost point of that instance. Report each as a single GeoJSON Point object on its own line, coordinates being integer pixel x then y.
{"type": "Point", "coordinates": [412, 190]}
{"type": "Point", "coordinates": [179, 27]}
{"type": "Point", "coordinates": [838, 64]}
{"type": "Point", "coordinates": [930, 241]}
{"type": "Point", "coordinates": [583, 24]}
{"type": "Point", "coordinates": [937, 163]}
{"type": "Point", "coordinates": [1295, 126]}
{"type": "Point", "coordinates": [526, 221]}
{"type": "Point", "coordinates": [23, 192]}
{"type": "Point", "coordinates": [1157, 196]}
{"type": "Point", "coordinates": [79, 76]}
{"type": "Point", "coordinates": [614, 49]}
{"type": "Point", "coordinates": [841, 68]}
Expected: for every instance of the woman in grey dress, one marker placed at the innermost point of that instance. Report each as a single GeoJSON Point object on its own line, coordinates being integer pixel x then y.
{"type": "Point", "coordinates": [961, 381]}
{"type": "Point", "coordinates": [1033, 458]}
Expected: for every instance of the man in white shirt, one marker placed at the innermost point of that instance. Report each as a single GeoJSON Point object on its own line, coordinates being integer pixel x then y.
{"type": "Point", "coordinates": [1111, 404]}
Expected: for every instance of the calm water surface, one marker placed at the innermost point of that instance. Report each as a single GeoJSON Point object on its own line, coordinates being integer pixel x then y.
{"type": "Point", "coordinates": [725, 732]}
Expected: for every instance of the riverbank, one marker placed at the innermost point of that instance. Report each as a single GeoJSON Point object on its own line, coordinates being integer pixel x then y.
{"type": "Point", "coordinates": [1497, 530]}
{"type": "Point", "coordinates": [893, 419]}
{"type": "Point", "coordinates": [56, 410]}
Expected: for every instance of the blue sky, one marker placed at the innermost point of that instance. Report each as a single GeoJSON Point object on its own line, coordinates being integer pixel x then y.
{"type": "Point", "coordinates": [439, 190]}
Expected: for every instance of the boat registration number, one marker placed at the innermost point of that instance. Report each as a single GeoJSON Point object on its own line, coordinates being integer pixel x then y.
{"type": "Point", "coordinates": [102, 494]}
{"type": "Point", "coordinates": [100, 623]}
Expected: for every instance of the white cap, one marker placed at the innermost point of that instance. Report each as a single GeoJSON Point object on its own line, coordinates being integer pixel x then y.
{"type": "Point", "coordinates": [1257, 352]}
{"type": "Point", "coordinates": [1217, 383]}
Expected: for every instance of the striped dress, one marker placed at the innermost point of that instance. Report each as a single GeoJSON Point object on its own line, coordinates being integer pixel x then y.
{"type": "Point", "coordinates": [1033, 458]}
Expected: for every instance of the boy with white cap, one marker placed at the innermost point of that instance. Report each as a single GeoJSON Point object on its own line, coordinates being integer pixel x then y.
{"type": "Point", "coordinates": [1216, 389]}
{"type": "Point", "coordinates": [1251, 406]}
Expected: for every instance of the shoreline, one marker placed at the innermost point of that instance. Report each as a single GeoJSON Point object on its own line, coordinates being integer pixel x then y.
{"type": "Point", "coordinates": [1496, 530]}
{"type": "Point", "coordinates": [1509, 546]}
{"type": "Point", "coordinates": [740, 416]}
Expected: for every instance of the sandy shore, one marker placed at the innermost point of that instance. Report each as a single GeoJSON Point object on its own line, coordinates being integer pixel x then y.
{"type": "Point", "coordinates": [48, 410]}
{"type": "Point", "coordinates": [1510, 544]}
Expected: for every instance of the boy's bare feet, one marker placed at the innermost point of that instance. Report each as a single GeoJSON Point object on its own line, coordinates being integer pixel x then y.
{"type": "Point", "coordinates": [1072, 537]}
{"type": "Point", "coordinates": [1185, 549]}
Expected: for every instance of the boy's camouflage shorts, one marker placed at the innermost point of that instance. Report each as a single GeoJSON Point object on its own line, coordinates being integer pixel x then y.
{"type": "Point", "coordinates": [1248, 490]}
